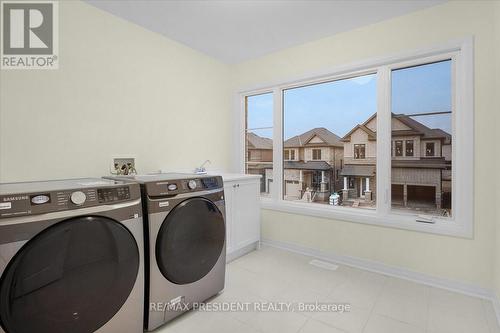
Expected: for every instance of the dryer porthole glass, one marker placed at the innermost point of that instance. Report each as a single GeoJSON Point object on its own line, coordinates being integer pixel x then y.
{"type": "Point", "coordinates": [190, 241]}
{"type": "Point", "coordinates": [72, 277]}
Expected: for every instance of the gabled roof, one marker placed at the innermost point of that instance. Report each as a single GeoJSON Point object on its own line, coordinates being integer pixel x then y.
{"type": "Point", "coordinates": [416, 128]}
{"type": "Point", "coordinates": [371, 134]}
{"type": "Point", "coordinates": [257, 142]}
{"type": "Point", "coordinates": [329, 138]}
{"type": "Point", "coordinates": [426, 132]}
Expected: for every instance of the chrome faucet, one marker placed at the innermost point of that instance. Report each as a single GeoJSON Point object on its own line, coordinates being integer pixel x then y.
{"type": "Point", "coordinates": [201, 169]}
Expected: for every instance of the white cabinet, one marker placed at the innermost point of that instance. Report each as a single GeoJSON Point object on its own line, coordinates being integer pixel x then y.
{"type": "Point", "coordinates": [242, 215]}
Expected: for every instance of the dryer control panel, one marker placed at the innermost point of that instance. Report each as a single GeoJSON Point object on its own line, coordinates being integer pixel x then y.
{"type": "Point", "coordinates": [31, 203]}
{"type": "Point", "coordinates": [178, 186]}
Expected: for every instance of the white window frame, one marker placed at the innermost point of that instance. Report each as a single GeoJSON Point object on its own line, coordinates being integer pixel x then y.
{"type": "Point", "coordinates": [462, 222]}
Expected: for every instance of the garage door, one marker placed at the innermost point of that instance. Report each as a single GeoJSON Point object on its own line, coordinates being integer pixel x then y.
{"type": "Point", "coordinates": [292, 190]}
{"type": "Point", "coordinates": [397, 194]}
{"type": "Point", "coordinates": [421, 195]}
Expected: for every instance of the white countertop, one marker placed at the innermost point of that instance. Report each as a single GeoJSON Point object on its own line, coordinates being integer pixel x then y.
{"type": "Point", "coordinates": [228, 177]}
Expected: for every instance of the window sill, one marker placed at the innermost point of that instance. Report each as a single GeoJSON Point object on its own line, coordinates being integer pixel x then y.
{"type": "Point", "coordinates": [370, 217]}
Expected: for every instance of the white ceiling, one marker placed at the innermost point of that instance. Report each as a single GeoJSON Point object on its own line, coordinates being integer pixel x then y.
{"type": "Point", "coordinates": [239, 30]}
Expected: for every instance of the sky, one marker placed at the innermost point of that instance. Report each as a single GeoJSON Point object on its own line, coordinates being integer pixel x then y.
{"type": "Point", "coordinates": [341, 105]}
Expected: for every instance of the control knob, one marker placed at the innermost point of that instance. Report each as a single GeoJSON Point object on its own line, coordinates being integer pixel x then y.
{"type": "Point", "coordinates": [192, 184]}
{"type": "Point", "coordinates": [78, 198]}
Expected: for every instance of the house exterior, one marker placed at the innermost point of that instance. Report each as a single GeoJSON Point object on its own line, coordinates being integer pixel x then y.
{"type": "Point", "coordinates": [259, 156]}
{"type": "Point", "coordinates": [312, 164]}
{"type": "Point", "coordinates": [421, 164]}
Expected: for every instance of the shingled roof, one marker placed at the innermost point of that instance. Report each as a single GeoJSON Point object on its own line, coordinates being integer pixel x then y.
{"type": "Point", "coordinates": [426, 132]}
{"type": "Point", "coordinates": [416, 128]}
{"type": "Point", "coordinates": [329, 138]}
{"type": "Point", "coordinates": [258, 142]}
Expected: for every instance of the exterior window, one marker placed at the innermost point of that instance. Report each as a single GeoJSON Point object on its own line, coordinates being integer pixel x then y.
{"type": "Point", "coordinates": [359, 151]}
{"type": "Point", "coordinates": [316, 154]}
{"type": "Point", "coordinates": [289, 155]}
{"type": "Point", "coordinates": [399, 148]}
{"type": "Point", "coordinates": [409, 148]}
{"type": "Point", "coordinates": [345, 138]}
{"type": "Point", "coordinates": [327, 133]}
{"type": "Point", "coordinates": [259, 134]}
{"type": "Point", "coordinates": [423, 186]}
{"type": "Point", "coordinates": [429, 149]}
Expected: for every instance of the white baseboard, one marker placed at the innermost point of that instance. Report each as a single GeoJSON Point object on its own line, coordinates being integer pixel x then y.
{"type": "Point", "coordinates": [242, 251]}
{"type": "Point", "coordinates": [398, 272]}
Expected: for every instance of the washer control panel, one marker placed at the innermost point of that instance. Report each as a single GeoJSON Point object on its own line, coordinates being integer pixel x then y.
{"type": "Point", "coordinates": [59, 200]}
{"type": "Point", "coordinates": [179, 186]}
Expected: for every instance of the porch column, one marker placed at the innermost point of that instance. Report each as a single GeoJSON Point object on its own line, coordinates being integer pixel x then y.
{"type": "Point", "coordinates": [323, 183]}
{"type": "Point", "coordinates": [368, 193]}
{"type": "Point", "coordinates": [301, 181]}
{"type": "Point", "coordinates": [345, 192]}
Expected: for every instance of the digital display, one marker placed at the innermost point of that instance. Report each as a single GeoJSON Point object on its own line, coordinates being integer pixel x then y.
{"type": "Point", "coordinates": [113, 194]}
{"type": "Point", "coordinates": [210, 183]}
{"type": "Point", "coordinates": [40, 199]}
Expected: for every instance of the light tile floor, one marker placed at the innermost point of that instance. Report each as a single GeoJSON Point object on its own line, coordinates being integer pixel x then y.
{"type": "Point", "coordinates": [380, 304]}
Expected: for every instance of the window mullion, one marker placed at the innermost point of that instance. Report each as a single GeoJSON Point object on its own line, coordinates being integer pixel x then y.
{"type": "Point", "coordinates": [383, 140]}
{"type": "Point", "coordinates": [242, 133]}
{"type": "Point", "coordinates": [277, 186]}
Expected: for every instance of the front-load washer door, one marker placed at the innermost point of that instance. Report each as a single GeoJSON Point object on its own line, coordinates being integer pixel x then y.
{"type": "Point", "coordinates": [73, 277]}
{"type": "Point", "coordinates": [190, 241]}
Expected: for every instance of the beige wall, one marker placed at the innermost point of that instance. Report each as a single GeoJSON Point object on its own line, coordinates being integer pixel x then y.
{"type": "Point", "coordinates": [120, 90]}
{"type": "Point", "coordinates": [458, 259]}
{"type": "Point", "coordinates": [497, 43]}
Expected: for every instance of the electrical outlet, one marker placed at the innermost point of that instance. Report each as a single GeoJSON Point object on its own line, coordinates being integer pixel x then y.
{"type": "Point", "coordinates": [124, 166]}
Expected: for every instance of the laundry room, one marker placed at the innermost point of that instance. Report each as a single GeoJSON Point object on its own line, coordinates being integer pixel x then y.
{"type": "Point", "coordinates": [294, 166]}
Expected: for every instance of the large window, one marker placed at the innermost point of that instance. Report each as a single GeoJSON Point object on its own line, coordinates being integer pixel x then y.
{"type": "Point", "coordinates": [422, 109]}
{"type": "Point", "coordinates": [359, 151]}
{"type": "Point", "coordinates": [429, 149]}
{"type": "Point", "coordinates": [259, 138]}
{"type": "Point", "coordinates": [316, 154]}
{"type": "Point", "coordinates": [388, 143]}
{"type": "Point", "coordinates": [399, 148]}
{"type": "Point", "coordinates": [409, 148]}
{"type": "Point", "coordinates": [331, 125]}
{"type": "Point", "coordinates": [289, 154]}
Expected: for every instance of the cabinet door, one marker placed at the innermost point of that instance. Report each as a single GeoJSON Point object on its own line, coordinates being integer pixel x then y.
{"type": "Point", "coordinates": [246, 214]}
{"type": "Point", "coordinates": [229, 199]}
